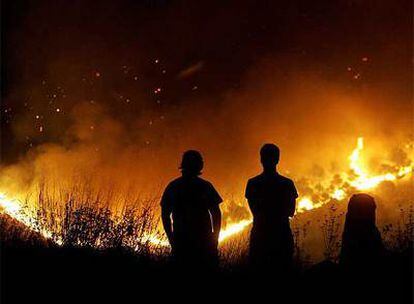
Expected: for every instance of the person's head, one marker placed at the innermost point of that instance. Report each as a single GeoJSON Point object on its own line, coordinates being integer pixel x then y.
{"type": "Point", "coordinates": [192, 163]}
{"type": "Point", "coordinates": [269, 156]}
{"type": "Point", "coordinates": [361, 207]}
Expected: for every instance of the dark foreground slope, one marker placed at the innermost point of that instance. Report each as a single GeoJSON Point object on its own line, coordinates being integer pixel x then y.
{"type": "Point", "coordinates": [37, 271]}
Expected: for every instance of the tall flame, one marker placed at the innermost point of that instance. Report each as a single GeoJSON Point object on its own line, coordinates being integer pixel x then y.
{"type": "Point", "coordinates": [363, 180]}
{"type": "Point", "coordinates": [360, 180]}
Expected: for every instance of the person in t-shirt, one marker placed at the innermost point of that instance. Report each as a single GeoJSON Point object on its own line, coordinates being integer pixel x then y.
{"type": "Point", "coordinates": [193, 205]}
{"type": "Point", "coordinates": [272, 201]}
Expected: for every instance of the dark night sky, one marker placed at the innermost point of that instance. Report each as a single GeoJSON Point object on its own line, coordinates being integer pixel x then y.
{"type": "Point", "coordinates": [58, 53]}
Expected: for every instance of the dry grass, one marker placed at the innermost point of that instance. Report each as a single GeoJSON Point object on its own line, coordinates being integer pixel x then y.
{"type": "Point", "coordinates": [84, 219]}
{"type": "Point", "coordinates": [399, 237]}
{"type": "Point", "coordinates": [331, 228]}
{"type": "Point", "coordinates": [300, 233]}
{"type": "Point", "coordinates": [234, 251]}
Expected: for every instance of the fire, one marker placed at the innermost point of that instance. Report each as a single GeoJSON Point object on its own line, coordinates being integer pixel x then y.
{"type": "Point", "coordinates": [13, 208]}
{"type": "Point", "coordinates": [305, 204]}
{"type": "Point", "coordinates": [360, 179]}
{"type": "Point", "coordinates": [233, 229]}
{"type": "Point", "coordinates": [155, 240]}
{"type": "Point", "coordinates": [355, 158]}
{"type": "Point", "coordinates": [363, 180]}
{"type": "Point", "coordinates": [338, 194]}
{"type": "Point", "coordinates": [225, 233]}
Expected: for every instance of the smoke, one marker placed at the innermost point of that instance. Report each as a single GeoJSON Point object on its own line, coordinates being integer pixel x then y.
{"type": "Point", "coordinates": [314, 120]}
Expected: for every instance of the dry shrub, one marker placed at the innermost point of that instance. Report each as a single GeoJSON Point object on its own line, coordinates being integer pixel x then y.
{"type": "Point", "coordinates": [399, 237]}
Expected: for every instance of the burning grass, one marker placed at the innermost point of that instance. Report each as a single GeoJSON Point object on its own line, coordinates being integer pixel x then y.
{"type": "Point", "coordinates": [88, 223]}
{"type": "Point", "coordinates": [135, 227]}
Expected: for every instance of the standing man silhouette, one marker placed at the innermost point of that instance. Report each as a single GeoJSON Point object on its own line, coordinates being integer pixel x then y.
{"type": "Point", "coordinates": [272, 200]}
{"type": "Point", "coordinates": [193, 205]}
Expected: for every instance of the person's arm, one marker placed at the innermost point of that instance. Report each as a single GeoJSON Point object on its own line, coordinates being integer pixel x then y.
{"type": "Point", "coordinates": [252, 206]}
{"type": "Point", "coordinates": [166, 222]}
{"type": "Point", "coordinates": [249, 194]}
{"type": "Point", "coordinates": [216, 219]}
{"type": "Point", "coordinates": [166, 210]}
{"type": "Point", "coordinates": [292, 200]}
{"type": "Point", "coordinates": [292, 207]}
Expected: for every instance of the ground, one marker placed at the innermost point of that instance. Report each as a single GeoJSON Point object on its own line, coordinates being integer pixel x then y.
{"type": "Point", "coordinates": [38, 270]}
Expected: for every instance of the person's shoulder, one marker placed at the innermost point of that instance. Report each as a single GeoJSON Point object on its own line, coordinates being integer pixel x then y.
{"type": "Point", "coordinates": [206, 185]}
{"type": "Point", "coordinates": [204, 182]}
{"type": "Point", "coordinates": [255, 179]}
{"type": "Point", "coordinates": [285, 179]}
{"type": "Point", "coordinates": [169, 192]}
{"type": "Point", "coordinates": [175, 182]}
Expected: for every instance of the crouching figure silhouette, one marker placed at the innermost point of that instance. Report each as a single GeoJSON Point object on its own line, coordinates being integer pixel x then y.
{"type": "Point", "coordinates": [362, 246]}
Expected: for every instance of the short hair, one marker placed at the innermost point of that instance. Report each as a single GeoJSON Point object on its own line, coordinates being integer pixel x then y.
{"type": "Point", "coordinates": [192, 162]}
{"type": "Point", "coordinates": [270, 153]}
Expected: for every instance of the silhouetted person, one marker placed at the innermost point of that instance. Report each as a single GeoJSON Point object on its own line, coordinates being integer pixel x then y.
{"type": "Point", "coordinates": [361, 241]}
{"type": "Point", "coordinates": [193, 205]}
{"type": "Point", "coordinates": [272, 200]}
